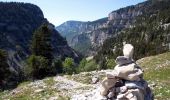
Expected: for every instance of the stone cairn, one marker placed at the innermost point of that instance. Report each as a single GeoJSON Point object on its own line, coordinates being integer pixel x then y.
{"type": "Point", "coordinates": [126, 81]}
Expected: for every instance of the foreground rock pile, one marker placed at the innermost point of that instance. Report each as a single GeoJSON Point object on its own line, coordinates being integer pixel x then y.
{"type": "Point", "coordinates": [125, 82]}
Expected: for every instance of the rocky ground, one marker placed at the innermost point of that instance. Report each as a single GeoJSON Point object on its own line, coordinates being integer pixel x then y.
{"type": "Point", "coordinates": [58, 88]}
{"type": "Point", "coordinates": [81, 87]}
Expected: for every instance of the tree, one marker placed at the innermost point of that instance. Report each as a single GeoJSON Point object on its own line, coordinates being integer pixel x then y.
{"type": "Point", "coordinates": [37, 67]}
{"type": "Point", "coordinates": [82, 65]}
{"type": "Point", "coordinates": [4, 67]}
{"type": "Point", "coordinates": [86, 66]}
{"type": "Point", "coordinates": [41, 43]}
{"type": "Point", "coordinates": [57, 64]}
{"type": "Point", "coordinates": [69, 66]}
{"type": "Point", "coordinates": [40, 62]}
{"type": "Point", "coordinates": [102, 63]}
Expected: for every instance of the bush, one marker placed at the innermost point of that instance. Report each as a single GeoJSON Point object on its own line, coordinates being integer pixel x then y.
{"type": "Point", "coordinates": [37, 67]}
{"type": "Point", "coordinates": [110, 64]}
{"type": "Point", "coordinates": [82, 65]}
{"type": "Point", "coordinates": [86, 66]}
{"type": "Point", "coordinates": [91, 66]}
{"type": "Point", "coordinates": [57, 64]}
{"type": "Point", "coordinates": [69, 66]}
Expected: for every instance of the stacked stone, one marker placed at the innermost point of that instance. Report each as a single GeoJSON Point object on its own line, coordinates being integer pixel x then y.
{"type": "Point", "coordinates": [126, 81]}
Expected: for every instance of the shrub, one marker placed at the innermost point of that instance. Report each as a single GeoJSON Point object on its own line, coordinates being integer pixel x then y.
{"type": "Point", "coordinates": [57, 64]}
{"type": "Point", "coordinates": [69, 66]}
{"type": "Point", "coordinates": [37, 67]}
{"type": "Point", "coordinates": [82, 65]}
{"type": "Point", "coordinates": [86, 66]}
{"type": "Point", "coordinates": [91, 66]}
{"type": "Point", "coordinates": [110, 64]}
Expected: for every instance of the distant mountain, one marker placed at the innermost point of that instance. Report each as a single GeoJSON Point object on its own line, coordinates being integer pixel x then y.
{"type": "Point", "coordinates": [70, 29]}
{"type": "Point", "coordinates": [18, 21]}
{"type": "Point", "coordinates": [78, 34]}
{"type": "Point", "coordinates": [87, 37]}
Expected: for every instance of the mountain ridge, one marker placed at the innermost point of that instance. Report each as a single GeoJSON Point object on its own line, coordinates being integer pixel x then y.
{"type": "Point", "coordinates": [18, 21]}
{"type": "Point", "coordinates": [98, 31]}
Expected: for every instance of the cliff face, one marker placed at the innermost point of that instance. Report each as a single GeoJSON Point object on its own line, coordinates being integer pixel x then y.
{"type": "Point", "coordinates": [18, 21]}
{"type": "Point", "coordinates": [70, 29]}
{"type": "Point", "coordinates": [98, 31]}
{"type": "Point", "coordinates": [149, 33]}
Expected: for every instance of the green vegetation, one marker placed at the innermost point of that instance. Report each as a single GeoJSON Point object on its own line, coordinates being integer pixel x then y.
{"type": "Point", "coordinates": [83, 45]}
{"type": "Point", "coordinates": [41, 43]}
{"type": "Point", "coordinates": [86, 66]}
{"type": "Point", "coordinates": [39, 64]}
{"type": "Point", "coordinates": [156, 71]}
{"type": "Point", "coordinates": [28, 91]}
{"type": "Point", "coordinates": [110, 64]}
{"type": "Point", "coordinates": [92, 65]}
{"type": "Point", "coordinates": [36, 67]}
{"type": "Point", "coordinates": [149, 34]}
{"type": "Point", "coordinates": [4, 69]}
{"type": "Point", "coordinates": [50, 81]}
{"type": "Point", "coordinates": [69, 66]}
{"type": "Point", "coordinates": [57, 63]}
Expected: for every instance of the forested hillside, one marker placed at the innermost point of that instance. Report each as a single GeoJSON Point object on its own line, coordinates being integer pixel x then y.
{"type": "Point", "coordinates": [87, 37]}
{"type": "Point", "coordinates": [19, 22]}
{"type": "Point", "coordinates": [150, 34]}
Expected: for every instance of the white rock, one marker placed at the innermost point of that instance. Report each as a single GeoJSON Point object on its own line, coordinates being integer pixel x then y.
{"type": "Point", "coordinates": [95, 79]}
{"type": "Point", "coordinates": [38, 90]}
{"type": "Point", "coordinates": [53, 98]}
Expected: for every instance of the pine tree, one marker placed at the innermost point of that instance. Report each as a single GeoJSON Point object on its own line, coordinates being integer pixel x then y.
{"type": "Point", "coordinates": [41, 43]}
{"type": "Point", "coordinates": [40, 62]}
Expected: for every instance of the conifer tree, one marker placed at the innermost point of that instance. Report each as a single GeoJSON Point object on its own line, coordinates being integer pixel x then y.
{"type": "Point", "coordinates": [40, 62]}
{"type": "Point", "coordinates": [41, 43]}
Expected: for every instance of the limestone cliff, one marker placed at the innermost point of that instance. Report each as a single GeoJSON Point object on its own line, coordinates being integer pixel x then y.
{"type": "Point", "coordinates": [96, 32]}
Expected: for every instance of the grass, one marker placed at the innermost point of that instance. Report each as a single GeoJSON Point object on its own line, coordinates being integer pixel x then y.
{"type": "Point", "coordinates": [157, 71]}
{"type": "Point", "coordinates": [27, 92]}
{"type": "Point", "coordinates": [50, 81]}
{"type": "Point", "coordinates": [85, 77]}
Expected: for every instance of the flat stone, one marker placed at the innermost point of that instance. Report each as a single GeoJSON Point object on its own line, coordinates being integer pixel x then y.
{"type": "Point", "coordinates": [38, 90]}
{"type": "Point", "coordinates": [53, 98]}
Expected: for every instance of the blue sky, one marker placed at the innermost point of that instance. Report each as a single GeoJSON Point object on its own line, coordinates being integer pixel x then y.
{"type": "Point", "coordinates": [59, 11]}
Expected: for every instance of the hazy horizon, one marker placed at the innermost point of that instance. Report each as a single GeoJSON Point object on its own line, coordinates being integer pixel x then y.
{"type": "Point", "coordinates": [60, 11]}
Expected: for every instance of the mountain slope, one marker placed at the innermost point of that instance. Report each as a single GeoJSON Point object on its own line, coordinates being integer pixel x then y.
{"type": "Point", "coordinates": [18, 21]}
{"type": "Point", "coordinates": [149, 34]}
{"type": "Point", "coordinates": [78, 34]}
{"type": "Point", "coordinates": [96, 32]}
{"type": "Point", "coordinates": [78, 86]}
